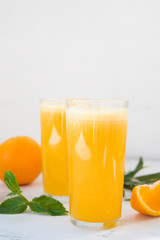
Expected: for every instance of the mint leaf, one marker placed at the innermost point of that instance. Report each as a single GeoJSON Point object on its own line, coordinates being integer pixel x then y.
{"type": "Point", "coordinates": [11, 182]}
{"type": "Point", "coordinates": [35, 206]}
{"type": "Point", "coordinates": [45, 204]}
{"type": "Point", "coordinates": [14, 193]}
{"type": "Point", "coordinates": [42, 204]}
{"type": "Point", "coordinates": [150, 178]}
{"type": "Point", "coordinates": [131, 174]}
{"type": "Point", "coordinates": [57, 212]}
{"type": "Point", "coordinates": [13, 206]}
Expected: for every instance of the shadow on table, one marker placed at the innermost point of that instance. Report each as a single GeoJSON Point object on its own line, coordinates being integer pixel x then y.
{"type": "Point", "coordinates": [137, 218]}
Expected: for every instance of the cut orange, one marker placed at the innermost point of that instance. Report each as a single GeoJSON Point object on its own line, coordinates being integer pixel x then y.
{"type": "Point", "coordinates": [146, 199]}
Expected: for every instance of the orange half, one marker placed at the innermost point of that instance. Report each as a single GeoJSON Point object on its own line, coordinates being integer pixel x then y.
{"type": "Point", "coordinates": [146, 199]}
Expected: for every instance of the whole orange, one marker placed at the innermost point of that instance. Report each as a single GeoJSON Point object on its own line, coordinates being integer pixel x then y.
{"type": "Point", "coordinates": [22, 156]}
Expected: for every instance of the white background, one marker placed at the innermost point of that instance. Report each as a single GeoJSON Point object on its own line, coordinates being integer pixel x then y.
{"type": "Point", "coordinates": [84, 49]}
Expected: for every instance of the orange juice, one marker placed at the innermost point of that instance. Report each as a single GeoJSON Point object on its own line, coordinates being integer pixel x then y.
{"type": "Point", "coordinates": [97, 143]}
{"type": "Point", "coordinates": [54, 149]}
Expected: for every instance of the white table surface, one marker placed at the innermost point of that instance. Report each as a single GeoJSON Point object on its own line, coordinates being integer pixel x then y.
{"type": "Point", "coordinates": [34, 226]}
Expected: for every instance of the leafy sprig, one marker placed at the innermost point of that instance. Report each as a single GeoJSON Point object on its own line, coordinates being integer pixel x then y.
{"type": "Point", "coordinates": [19, 203]}
{"type": "Point", "coordinates": [130, 180]}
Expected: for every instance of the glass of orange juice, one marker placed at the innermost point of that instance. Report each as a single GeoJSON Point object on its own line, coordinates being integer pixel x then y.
{"type": "Point", "coordinates": [54, 148]}
{"type": "Point", "coordinates": [96, 132]}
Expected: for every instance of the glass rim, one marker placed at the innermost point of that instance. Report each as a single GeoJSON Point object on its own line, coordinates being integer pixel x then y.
{"type": "Point", "coordinates": [69, 101]}
{"type": "Point", "coordinates": [96, 101]}
{"type": "Point", "coordinates": [52, 100]}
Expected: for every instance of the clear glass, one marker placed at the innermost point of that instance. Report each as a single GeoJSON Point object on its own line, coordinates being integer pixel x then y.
{"type": "Point", "coordinates": [54, 148]}
{"type": "Point", "coordinates": [96, 132]}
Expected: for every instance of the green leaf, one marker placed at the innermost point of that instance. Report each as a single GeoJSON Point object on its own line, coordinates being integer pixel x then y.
{"type": "Point", "coordinates": [130, 185]}
{"type": "Point", "coordinates": [57, 212]}
{"type": "Point", "coordinates": [13, 206]}
{"type": "Point", "coordinates": [131, 174]}
{"type": "Point", "coordinates": [124, 192]}
{"type": "Point", "coordinates": [150, 178]}
{"type": "Point", "coordinates": [45, 204]}
{"type": "Point", "coordinates": [11, 181]}
{"type": "Point", "coordinates": [127, 199]}
{"type": "Point", "coordinates": [141, 180]}
{"type": "Point", "coordinates": [35, 206]}
{"type": "Point", "coordinates": [14, 193]}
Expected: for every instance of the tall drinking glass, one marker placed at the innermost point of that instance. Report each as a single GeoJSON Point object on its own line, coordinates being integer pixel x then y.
{"type": "Point", "coordinates": [96, 132]}
{"type": "Point", "coordinates": [54, 148]}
